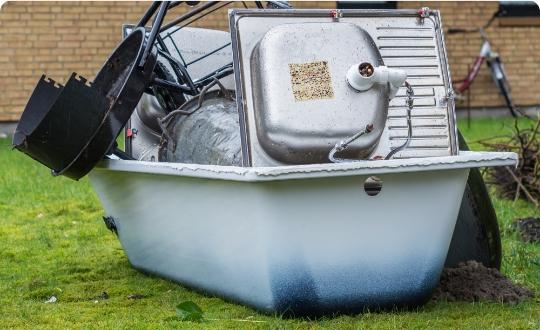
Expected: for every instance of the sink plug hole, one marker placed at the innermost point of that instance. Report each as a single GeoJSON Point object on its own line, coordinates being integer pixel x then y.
{"type": "Point", "coordinates": [366, 69]}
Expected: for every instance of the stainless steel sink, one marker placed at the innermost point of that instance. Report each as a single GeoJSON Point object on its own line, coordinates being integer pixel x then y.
{"type": "Point", "coordinates": [275, 124]}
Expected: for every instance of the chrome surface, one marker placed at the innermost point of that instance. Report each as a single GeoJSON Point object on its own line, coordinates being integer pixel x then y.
{"type": "Point", "coordinates": [302, 103]}
{"type": "Point", "coordinates": [404, 40]}
{"type": "Point", "coordinates": [143, 144]}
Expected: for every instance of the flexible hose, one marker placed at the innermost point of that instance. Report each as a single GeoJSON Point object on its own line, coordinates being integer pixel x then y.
{"type": "Point", "coordinates": [342, 145]}
{"type": "Point", "coordinates": [410, 94]}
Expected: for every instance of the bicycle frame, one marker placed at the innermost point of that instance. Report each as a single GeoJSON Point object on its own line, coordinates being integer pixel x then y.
{"type": "Point", "coordinates": [485, 53]}
{"type": "Point", "coordinates": [495, 66]}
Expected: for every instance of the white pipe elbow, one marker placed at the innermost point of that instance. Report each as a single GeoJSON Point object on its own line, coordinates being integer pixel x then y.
{"type": "Point", "coordinates": [364, 75]}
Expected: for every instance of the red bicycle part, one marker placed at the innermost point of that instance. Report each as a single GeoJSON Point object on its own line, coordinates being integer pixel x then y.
{"type": "Point", "coordinates": [471, 75]}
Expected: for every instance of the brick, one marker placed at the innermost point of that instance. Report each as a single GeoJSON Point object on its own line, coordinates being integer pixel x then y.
{"type": "Point", "coordinates": [41, 9]}
{"type": "Point", "coordinates": [6, 16]}
{"type": "Point", "coordinates": [8, 51]}
{"type": "Point", "coordinates": [42, 16]}
{"type": "Point", "coordinates": [69, 44]}
{"type": "Point", "coordinates": [24, 51]}
{"type": "Point", "coordinates": [13, 35]}
{"type": "Point", "coordinates": [45, 44]}
{"type": "Point", "coordinates": [92, 44]}
{"type": "Point", "coordinates": [45, 58]}
{"type": "Point", "coordinates": [14, 7]}
{"type": "Point", "coordinates": [50, 37]}
{"type": "Point", "coordinates": [62, 23]}
{"type": "Point", "coordinates": [43, 51]}
{"type": "Point", "coordinates": [85, 23]}
{"type": "Point", "coordinates": [39, 23]}
{"type": "Point", "coordinates": [113, 16]}
{"type": "Point", "coordinates": [64, 51]}
{"type": "Point", "coordinates": [96, 8]}
{"type": "Point", "coordinates": [73, 9]}
{"type": "Point", "coordinates": [67, 30]}
{"type": "Point", "coordinates": [23, 58]}
{"type": "Point", "coordinates": [93, 17]}
{"type": "Point", "coordinates": [73, 37]}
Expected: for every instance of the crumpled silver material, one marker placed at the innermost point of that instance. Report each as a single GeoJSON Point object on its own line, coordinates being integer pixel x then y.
{"type": "Point", "coordinates": [211, 135]}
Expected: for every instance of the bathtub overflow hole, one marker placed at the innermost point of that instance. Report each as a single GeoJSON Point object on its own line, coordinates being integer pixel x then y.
{"type": "Point", "coordinates": [373, 185]}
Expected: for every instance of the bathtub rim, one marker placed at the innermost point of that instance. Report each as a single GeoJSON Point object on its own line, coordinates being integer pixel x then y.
{"type": "Point", "coordinates": [465, 160]}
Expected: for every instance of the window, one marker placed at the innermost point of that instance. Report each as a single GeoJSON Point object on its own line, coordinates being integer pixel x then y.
{"type": "Point", "coordinates": [518, 8]}
{"type": "Point", "coordinates": [519, 13]}
{"type": "Point", "coordinates": [367, 4]}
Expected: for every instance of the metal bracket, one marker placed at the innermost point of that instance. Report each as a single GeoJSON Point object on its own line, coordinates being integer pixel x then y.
{"type": "Point", "coordinates": [423, 13]}
{"type": "Point", "coordinates": [336, 14]}
{"type": "Point", "coordinates": [449, 96]}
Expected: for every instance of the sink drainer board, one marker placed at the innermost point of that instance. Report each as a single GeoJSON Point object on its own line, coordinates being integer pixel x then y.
{"type": "Point", "coordinates": [302, 240]}
{"type": "Point", "coordinates": [265, 42]}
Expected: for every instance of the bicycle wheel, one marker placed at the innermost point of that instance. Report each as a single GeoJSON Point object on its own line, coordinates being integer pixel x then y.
{"type": "Point", "coordinates": [499, 77]}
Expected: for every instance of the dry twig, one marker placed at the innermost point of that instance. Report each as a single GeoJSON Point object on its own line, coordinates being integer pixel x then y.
{"type": "Point", "coordinates": [524, 181]}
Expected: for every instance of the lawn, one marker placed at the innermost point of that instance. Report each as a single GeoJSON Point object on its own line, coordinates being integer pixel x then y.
{"type": "Point", "coordinates": [53, 242]}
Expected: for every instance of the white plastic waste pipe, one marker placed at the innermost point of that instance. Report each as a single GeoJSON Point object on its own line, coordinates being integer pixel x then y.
{"type": "Point", "coordinates": [364, 75]}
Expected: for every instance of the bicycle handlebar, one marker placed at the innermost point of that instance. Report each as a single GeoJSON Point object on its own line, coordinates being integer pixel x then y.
{"type": "Point", "coordinates": [462, 30]}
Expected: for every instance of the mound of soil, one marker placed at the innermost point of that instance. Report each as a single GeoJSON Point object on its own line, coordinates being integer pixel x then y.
{"type": "Point", "coordinates": [529, 229]}
{"type": "Point", "coordinates": [472, 281]}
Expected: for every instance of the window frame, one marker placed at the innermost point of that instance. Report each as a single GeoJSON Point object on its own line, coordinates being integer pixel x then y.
{"type": "Point", "coordinates": [366, 4]}
{"type": "Point", "coordinates": [518, 9]}
{"type": "Point", "coordinates": [518, 13]}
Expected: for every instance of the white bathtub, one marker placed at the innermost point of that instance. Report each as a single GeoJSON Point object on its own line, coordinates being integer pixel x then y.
{"type": "Point", "coordinates": [303, 240]}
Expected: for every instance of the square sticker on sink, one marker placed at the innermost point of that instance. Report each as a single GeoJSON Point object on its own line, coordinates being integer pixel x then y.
{"type": "Point", "coordinates": [311, 81]}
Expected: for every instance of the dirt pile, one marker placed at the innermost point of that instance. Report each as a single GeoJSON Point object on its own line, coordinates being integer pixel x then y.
{"type": "Point", "coordinates": [472, 281]}
{"type": "Point", "coordinates": [529, 229]}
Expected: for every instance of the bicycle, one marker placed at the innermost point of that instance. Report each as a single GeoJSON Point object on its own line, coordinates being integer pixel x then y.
{"type": "Point", "coordinates": [494, 63]}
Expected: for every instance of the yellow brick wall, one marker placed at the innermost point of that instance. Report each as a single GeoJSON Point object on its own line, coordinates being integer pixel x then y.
{"type": "Point", "coordinates": [59, 37]}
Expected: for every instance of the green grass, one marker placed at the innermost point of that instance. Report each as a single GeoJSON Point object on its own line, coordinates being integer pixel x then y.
{"type": "Point", "coordinates": [53, 242]}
